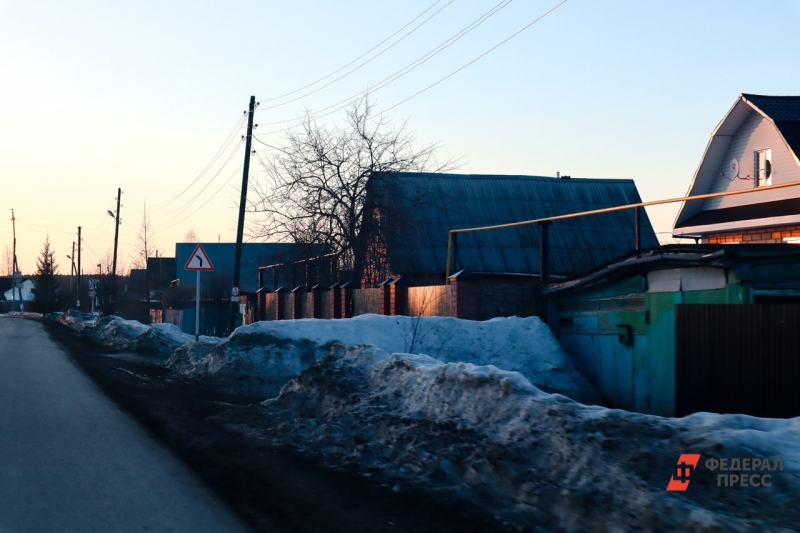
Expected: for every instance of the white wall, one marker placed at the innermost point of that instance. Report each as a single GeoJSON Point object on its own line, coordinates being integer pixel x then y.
{"type": "Point", "coordinates": [756, 133]}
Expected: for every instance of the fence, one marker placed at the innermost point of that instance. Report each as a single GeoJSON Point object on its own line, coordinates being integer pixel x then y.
{"type": "Point", "coordinates": [429, 301]}
{"type": "Point", "coordinates": [366, 301]}
{"type": "Point", "coordinates": [470, 297]}
{"type": "Point", "coordinates": [734, 358]}
{"type": "Point", "coordinates": [213, 319]}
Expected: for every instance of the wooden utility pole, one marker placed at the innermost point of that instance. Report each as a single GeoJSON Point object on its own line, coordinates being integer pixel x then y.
{"type": "Point", "coordinates": [16, 267]}
{"type": "Point", "coordinates": [237, 259]}
{"type": "Point", "coordinates": [78, 292]}
{"type": "Point", "coordinates": [72, 270]}
{"type": "Point", "coordinates": [113, 298]}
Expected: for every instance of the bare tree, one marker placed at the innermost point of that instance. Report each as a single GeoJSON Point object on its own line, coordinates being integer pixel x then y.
{"type": "Point", "coordinates": [145, 241]}
{"type": "Point", "coordinates": [191, 236]}
{"type": "Point", "coordinates": [8, 261]}
{"type": "Point", "coordinates": [315, 187]}
{"type": "Point", "coordinates": [144, 246]}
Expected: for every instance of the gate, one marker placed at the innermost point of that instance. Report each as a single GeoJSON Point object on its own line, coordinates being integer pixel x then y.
{"type": "Point", "coordinates": [734, 358]}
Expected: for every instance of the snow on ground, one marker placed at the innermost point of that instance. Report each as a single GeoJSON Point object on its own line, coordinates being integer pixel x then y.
{"type": "Point", "coordinates": [117, 334]}
{"type": "Point", "coordinates": [474, 421]}
{"type": "Point", "coordinates": [535, 461]}
{"type": "Point", "coordinates": [259, 358]}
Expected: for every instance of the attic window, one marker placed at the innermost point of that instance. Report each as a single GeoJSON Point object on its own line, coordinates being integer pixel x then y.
{"type": "Point", "coordinates": [762, 167]}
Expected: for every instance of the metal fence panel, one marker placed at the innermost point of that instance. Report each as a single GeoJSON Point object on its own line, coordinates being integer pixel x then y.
{"type": "Point", "coordinates": [733, 358]}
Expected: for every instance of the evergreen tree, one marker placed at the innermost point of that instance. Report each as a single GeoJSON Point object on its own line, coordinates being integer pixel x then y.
{"type": "Point", "coordinates": [46, 280]}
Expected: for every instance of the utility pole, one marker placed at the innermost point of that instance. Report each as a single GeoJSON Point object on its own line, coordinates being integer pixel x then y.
{"type": "Point", "coordinates": [237, 259]}
{"type": "Point", "coordinates": [78, 291]}
{"type": "Point", "coordinates": [113, 296]}
{"type": "Point", "coordinates": [15, 266]}
{"type": "Point", "coordinates": [72, 270]}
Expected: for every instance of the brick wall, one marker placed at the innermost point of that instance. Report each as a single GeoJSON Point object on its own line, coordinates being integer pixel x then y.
{"type": "Point", "coordinates": [508, 299]}
{"type": "Point", "coordinates": [753, 236]}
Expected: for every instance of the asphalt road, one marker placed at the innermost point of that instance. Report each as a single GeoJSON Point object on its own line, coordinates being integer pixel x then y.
{"type": "Point", "coordinates": [70, 460]}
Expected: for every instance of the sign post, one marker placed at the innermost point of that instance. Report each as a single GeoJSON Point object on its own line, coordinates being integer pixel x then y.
{"type": "Point", "coordinates": [198, 261]}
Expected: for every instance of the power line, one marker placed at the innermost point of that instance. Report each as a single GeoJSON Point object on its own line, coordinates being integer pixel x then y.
{"type": "Point", "coordinates": [222, 148]}
{"type": "Point", "coordinates": [364, 54]}
{"type": "Point", "coordinates": [405, 70]}
{"type": "Point", "coordinates": [362, 64]}
{"type": "Point", "coordinates": [208, 200]}
{"type": "Point", "coordinates": [498, 45]}
{"type": "Point", "coordinates": [176, 213]}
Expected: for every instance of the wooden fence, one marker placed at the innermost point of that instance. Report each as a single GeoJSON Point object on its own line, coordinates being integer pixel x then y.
{"type": "Point", "coordinates": [366, 301]}
{"type": "Point", "coordinates": [429, 301]}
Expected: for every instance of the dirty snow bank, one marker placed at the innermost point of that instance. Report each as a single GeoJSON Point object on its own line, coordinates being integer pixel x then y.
{"type": "Point", "coordinates": [116, 334]}
{"type": "Point", "coordinates": [526, 458]}
{"type": "Point", "coordinates": [259, 358]}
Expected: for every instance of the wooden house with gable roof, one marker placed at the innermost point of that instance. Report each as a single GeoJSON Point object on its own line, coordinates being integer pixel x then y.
{"type": "Point", "coordinates": [757, 144]}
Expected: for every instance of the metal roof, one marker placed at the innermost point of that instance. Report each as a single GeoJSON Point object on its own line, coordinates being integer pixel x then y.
{"type": "Point", "coordinates": [776, 107]}
{"type": "Point", "coordinates": [433, 204]}
{"type": "Point", "coordinates": [784, 111]}
{"type": "Point", "coordinates": [254, 255]}
{"type": "Point", "coordinates": [678, 255]}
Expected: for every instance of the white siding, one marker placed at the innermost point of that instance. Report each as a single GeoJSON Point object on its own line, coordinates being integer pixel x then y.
{"type": "Point", "coordinates": [756, 133]}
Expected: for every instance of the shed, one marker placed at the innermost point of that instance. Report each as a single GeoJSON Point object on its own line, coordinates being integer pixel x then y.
{"type": "Point", "coordinates": [679, 329]}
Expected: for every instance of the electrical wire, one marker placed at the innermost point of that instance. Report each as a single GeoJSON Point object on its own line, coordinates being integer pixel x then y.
{"type": "Point", "coordinates": [403, 71]}
{"type": "Point", "coordinates": [235, 172]}
{"type": "Point", "coordinates": [498, 45]}
{"type": "Point", "coordinates": [364, 54]}
{"type": "Point", "coordinates": [176, 213]}
{"type": "Point", "coordinates": [222, 148]}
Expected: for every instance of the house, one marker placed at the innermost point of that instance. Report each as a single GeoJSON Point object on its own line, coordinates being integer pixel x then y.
{"type": "Point", "coordinates": [685, 328]}
{"type": "Point", "coordinates": [408, 217]}
{"type": "Point", "coordinates": [756, 144]}
{"type": "Point", "coordinates": [160, 272]}
{"type": "Point", "coordinates": [216, 285]}
{"type": "Point", "coordinates": [25, 289]}
{"type": "Point", "coordinates": [254, 256]}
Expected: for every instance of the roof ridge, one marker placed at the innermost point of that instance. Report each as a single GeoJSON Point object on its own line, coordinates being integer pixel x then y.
{"type": "Point", "coordinates": [505, 176]}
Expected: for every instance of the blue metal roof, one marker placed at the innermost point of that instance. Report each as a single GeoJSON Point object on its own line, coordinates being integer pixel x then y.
{"type": "Point", "coordinates": [778, 108]}
{"type": "Point", "coordinates": [784, 112]}
{"type": "Point", "coordinates": [254, 255]}
{"type": "Point", "coordinates": [433, 204]}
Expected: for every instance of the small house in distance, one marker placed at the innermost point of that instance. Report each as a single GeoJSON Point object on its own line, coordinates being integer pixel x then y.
{"type": "Point", "coordinates": [408, 217]}
{"type": "Point", "coordinates": [757, 144]}
{"type": "Point", "coordinates": [24, 291]}
{"type": "Point", "coordinates": [254, 255]}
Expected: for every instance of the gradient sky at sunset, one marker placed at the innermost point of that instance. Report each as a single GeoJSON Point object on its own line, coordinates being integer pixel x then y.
{"type": "Point", "coordinates": [141, 95]}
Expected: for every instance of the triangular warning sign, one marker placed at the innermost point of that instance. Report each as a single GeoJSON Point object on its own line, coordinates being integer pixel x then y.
{"type": "Point", "coordinates": [199, 260]}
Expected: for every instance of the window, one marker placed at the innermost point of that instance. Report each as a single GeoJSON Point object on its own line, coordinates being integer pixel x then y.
{"type": "Point", "coordinates": [762, 167]}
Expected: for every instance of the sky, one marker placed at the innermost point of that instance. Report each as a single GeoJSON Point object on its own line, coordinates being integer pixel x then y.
{"type": "Point", "coordinates": [142, 96]}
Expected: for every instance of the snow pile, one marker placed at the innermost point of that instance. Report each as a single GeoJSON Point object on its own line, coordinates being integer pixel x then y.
{"type": "Point", "coordinates": [25, 314]}
{"type": "Point", "coordinates": [116, 334]}
{"type": "Point", "coordinates": [77, 320]}
{"type": "Point", "coordinates": [528, 459]}
{"type": "Point", "coordinates": [259, 358]}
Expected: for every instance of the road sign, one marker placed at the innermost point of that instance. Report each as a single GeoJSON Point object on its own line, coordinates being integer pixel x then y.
{"type": "Point", "coordinates": [199, 260]}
